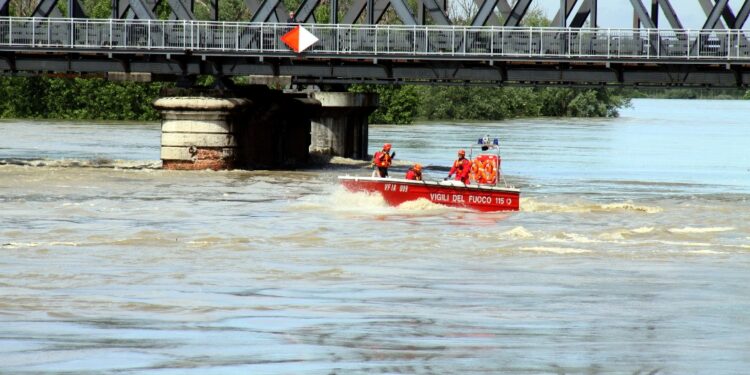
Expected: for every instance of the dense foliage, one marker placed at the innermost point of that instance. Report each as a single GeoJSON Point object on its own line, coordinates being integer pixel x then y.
{"type": "Point", "coordinates": [77, 98]}
{"type": "Point", "coordinates": [99, 99]}
{"type": "Point", "coordinates": [403, 104]}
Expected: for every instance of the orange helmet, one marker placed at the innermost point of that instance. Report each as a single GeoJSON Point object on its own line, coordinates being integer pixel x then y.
{"type": "Point", "coordinates": [417, 167]}
{"type": "Point", "coordinates": [387, 146]}
{"type": "Point", "coordinates": [462, 152]}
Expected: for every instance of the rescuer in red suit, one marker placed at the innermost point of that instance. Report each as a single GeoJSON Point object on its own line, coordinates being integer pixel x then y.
{"type": "Point", "coordinates": [415, 172]}
{"type": "Point", "coordinates": [382, 160]}
{"type": "Point", "coordinates": [461, 167]}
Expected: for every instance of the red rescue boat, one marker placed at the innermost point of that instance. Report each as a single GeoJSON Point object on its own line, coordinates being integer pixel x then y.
{"type": "Point", "coordinates": [483, 193]}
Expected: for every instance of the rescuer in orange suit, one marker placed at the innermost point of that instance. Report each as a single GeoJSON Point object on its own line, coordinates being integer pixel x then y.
{"type": "Point", "coordinates": [382, 160]}
{"type": "Point", "coordinates": [461, 167]}
{"type": "Point", "coordinates": [415, 172]}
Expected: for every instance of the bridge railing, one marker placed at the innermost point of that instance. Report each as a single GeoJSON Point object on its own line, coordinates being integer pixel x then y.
{"type": "Point", "coordinates": [396, 41]}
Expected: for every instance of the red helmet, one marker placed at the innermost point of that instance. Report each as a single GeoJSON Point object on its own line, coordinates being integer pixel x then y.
{"type": "Point", "coordinates": [462, 152]}
{"type": "Point", "coordinates": [387, 146]}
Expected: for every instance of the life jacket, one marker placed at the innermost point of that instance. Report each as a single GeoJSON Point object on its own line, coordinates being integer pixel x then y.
{"type": "Point", "coordinates": [490, 172]}
{"type": "Point", "coordinates": [477, 171]}
{"type": "Point", "coordinates": [490, 166]}
{"type": "Point", "coordinates": [382, 159]}
{"type": "Point", "coordinates": [413, 175]}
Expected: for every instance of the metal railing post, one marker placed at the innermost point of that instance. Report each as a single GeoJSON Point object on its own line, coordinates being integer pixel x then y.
{"type": "Point", "coordinates": [453, 40]}
{"type": "Point", "coordinates": [739, 35]}
{"type": "Point", "coordinates": [502, 41]}
{"type": "Point", "coordinates": [492, 41]}
{"type": "Point", "coordinates": [464, 43]}
{"type": "Point", "coordinates": [531, 38]}
{"type": "Point", "coordinates": [609, 42]}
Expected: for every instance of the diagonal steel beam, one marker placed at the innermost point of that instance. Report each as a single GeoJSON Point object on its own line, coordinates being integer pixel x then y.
{"type": "Point", "coordinates": [437, 13]}
{"type": "Point", "coordinates": [517, 13]}
{"type": "Point", "coordinates": [180, 10]}
{"type": "Point", "coordinates": [354, 12]}
{"type": "Point", "coordinates": [486, 15]}
{"type": "Point", "coordinates": [504, 8]}
{"type": "Point", "coordinates": [265, 12]}
{"type": "Point", "coordinates": [642, 14]}
{"type": "Point", "coordinates": [670, 14]}
{"type": "Point", "coordinates": [403, 12]}
{"type": "Point", "coordinates": [305, 11]}
{"type": "Point", "coordinates": [252, 5]}
{"type": "Point", "coordinates": [48, 8]}
{"type": "Point", "coordinates": [715, 15]}
{"type": "Point", "coordinates": [727, 13]}
{"type": "Point", "coordinates": [75, 10]}
{"type": "Point", "coordinates": [582, 15]}
{"type": "Point", "coordinates": [44, 8]}
{"type": "Point", "coordinates": [141, 10]}
{"type": "Point", "coordinates": [358, 7]}
{"type": "Point", "coordinates": [560, 20]}
{"type": "Point", "coordinates": [742, 15]}
{"type": "Point", "coordinates": [486, 10]}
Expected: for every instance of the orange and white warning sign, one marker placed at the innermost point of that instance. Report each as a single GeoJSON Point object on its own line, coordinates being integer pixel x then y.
{"type": "Point", "coordinates": [299, 39]}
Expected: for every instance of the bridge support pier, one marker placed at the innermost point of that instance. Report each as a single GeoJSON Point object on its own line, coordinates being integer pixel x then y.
{"type": "Point", "coordinates": [340, 129]}
{"type": "Point", "coordinates": [262, 128]}
{"type": "Point", "coordinates": [199, 132]}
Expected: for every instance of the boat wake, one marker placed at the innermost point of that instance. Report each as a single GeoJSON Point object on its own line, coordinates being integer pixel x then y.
{"type": "Point", "coordinates": [533, 205]}
{"type": "Point", "coordinates": [83, 163]}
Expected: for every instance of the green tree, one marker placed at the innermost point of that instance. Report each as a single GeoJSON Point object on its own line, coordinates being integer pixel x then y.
{"type": "Point", "coordinates": [398, 104]}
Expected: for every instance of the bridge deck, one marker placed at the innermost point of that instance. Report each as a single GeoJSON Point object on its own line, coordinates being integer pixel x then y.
{"type": "Point", "coordinates": [377, 52]}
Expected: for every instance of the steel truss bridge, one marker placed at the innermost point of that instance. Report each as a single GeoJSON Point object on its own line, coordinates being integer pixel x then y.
{"type": "Point", "coordinates": [493, 49]}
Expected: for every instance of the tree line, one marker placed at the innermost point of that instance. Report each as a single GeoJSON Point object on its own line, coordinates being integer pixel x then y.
{"type": "Point", "coordinates": [96, 98]}
{"type": "Point", "coordinates": [99, 99]}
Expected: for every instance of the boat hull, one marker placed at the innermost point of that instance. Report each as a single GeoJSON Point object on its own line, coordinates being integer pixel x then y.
{"type": "Point", "coordinates": [449, 193]}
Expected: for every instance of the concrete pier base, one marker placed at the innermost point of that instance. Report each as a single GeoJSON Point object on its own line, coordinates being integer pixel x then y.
{"type": "Point", "coordinates": [340, 129]}
{"type": "Point", "coordinates": [275, 131]}
{"type": "Point", "coordinates": [199, 132]}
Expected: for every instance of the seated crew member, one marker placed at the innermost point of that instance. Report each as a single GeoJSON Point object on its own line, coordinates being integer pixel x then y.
{"type": "Point", "coordinates": [415, 172]}
{"type": "Point", "coordinates": [461, 167]}
{"type": "Point", "coordinates": [382, 160]}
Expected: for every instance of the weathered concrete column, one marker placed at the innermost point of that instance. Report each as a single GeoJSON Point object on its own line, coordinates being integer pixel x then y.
{"type": "Point", "coordinates": [341, 127]}
{"type": "Point", "coordinates": [199, 132]}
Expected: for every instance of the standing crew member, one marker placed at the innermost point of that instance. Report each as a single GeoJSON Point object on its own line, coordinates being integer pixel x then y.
{"type": "Point", "coordinates": [382, 160]}
{"type": "Point", "coordinates": [461, 167]}
{"type": "Point", "coordinates": [292, 18]}
{"type": "Point", "coordinates": [415, 172]}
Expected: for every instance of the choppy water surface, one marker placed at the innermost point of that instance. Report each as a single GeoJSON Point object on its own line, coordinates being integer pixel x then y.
{"type": "Point", "coordinates": [630, 255]}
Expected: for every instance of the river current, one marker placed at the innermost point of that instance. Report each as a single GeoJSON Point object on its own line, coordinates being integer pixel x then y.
{"type": "Point", "coordinates": [630, 255]}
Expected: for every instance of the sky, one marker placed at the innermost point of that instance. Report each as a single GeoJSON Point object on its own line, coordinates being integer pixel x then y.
{"type": "Point", "coordinates": [619, 13]}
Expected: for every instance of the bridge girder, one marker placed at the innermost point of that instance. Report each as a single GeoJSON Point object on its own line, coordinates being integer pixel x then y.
{"type": "Point", "coordinates": [570, 13]}
{"type": "Point", "coordinates": [419, 72]}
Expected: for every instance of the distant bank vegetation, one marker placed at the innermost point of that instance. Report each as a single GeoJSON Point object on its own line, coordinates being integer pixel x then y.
{"type": "Point", "coordinates": [403, 104]}
{"type": "Point", "coordinates": [99, 99]}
